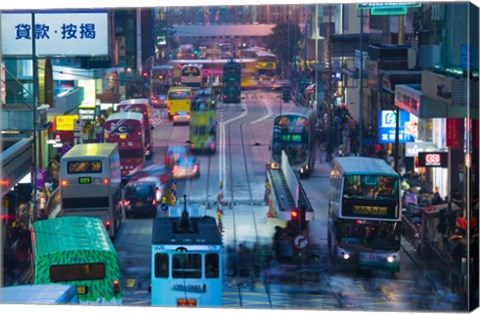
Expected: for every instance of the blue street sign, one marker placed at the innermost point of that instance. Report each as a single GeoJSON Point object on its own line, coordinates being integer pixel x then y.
{"type": "Point", "coordinates": [164, 207]}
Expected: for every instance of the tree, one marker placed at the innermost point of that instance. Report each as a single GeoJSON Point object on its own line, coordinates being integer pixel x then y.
{"type": "Point", "coordinates": [162, 28]}
{"type": "Point", "coordinates": [284, 35]}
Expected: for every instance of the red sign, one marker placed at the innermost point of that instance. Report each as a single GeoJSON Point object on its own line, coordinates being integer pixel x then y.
{"type": "Point", "coordinates": [453, 132]}
{"type": "Point", "coordinates": [433, 159]}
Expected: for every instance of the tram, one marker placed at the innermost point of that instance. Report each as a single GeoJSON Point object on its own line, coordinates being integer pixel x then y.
{"type": "Point", "coordinates": [294, 132]}
{"type": "Point", "coordinates": [186, 260]}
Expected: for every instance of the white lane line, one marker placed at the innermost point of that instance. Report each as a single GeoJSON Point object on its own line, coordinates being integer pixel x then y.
{"type": "Point", "coordinates": [222, 163]}
{"type": "Point", "coordinates": [268, 115]}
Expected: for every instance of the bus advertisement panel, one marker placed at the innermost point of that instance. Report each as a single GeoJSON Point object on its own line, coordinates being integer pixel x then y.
{"type": "Point", "coordinates": [77, 251]}
{"type": "Point", "coordinates": [364, 214]}
{"type": "Point", "coordinates": [293, 132]}
{"type": "Point", "coordinates": [143, 106]}
{"type": "Point", "coordinates": [203, 125]}
{"type": "Point", "coordinates": [90, 183]}
{"type": "Point", "coordinates": [179, 98]}
{"type": "Point", "coordinates": [127, 130]}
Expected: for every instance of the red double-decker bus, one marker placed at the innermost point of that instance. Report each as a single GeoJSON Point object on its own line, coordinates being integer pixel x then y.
{"type": "Point", "coordinates": [141, 105]}
{"type": "Point", "coordinates": [128, 131]}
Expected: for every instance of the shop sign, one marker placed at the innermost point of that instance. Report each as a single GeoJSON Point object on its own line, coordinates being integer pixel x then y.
{"type": "Point", "coordinates": [441, 88]}
{"type": "Point", "coordinates": [408, 99]}
{"type": "Point", "coordinates": [453, 132]}
{"type": "Point", "coordinates": [87, 114]}
{"type": "Point", "coordinates": [433, 159]}
{"type": "Point", "coordinates": [412, 149]}
{"type": "Point", "coordinates": [66, 123]}
{"type": "Point", "coordinates": [387, 127]}
{"type": "Point", "coordinates": [89, 94]}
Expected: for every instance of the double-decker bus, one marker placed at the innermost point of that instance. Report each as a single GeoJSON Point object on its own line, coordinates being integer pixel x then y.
{"type": "Point", "coordinates": [294, 132]}
{"type": "Point", "coordinates": [141, 105]}
{"type": "Point", "coordinates": [192, 75]}
{"type": "Point", "coordinates": [186, 52]}
{"type": "Point", "coordinates": [127, 130]}
{"type": "Point", "coordinates": [186, 260]}
{"type": "Point", "coordinates": [364, 224]}
{"type": "Point", "coordinates": [212, 70]}
{"type": "Point", "coordinates": [90, 183]}
{"type": "Point", "coordinates": [77, 251]}
{"type": "Point", "coordinates": [179, 98]}
{"type": "Point", "coordinates": [231, 82]}
{"type": "Point", "coordinates": [266, 66]}
{"type": "Point", "coordinates": [162, 77]}
{"type": "Point", "coordinates": [203, 124]}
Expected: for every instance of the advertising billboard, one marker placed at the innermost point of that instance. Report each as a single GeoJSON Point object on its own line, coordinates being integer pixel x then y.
{"type": "Point", "coordinates": [59, 33]}
{"type": "Point", "coordinates": [386, 127]}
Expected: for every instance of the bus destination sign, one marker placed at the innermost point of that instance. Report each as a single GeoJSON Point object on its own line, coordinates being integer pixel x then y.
{"type": "Point", "coordinates": [85, 180]}
{"type": "Point", "coordinates": [382, 211]}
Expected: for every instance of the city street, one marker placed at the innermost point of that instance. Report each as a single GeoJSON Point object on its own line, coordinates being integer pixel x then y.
{"type": "Point", "coordinates": [310, 286]}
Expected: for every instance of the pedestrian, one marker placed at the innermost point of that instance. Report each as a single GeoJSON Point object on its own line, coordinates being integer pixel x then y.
{"type": "Point", "coordinates": [279, 233]}
{"type": "Point", "coordinates": [437, 199]}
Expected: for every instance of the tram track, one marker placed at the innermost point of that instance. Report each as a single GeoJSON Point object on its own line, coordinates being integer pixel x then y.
{"type": "Point", "coordinates": [243, 277]}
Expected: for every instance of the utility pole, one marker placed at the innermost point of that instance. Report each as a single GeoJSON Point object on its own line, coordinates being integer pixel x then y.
{"type": "Point", "coordinates": [35, 100]}
{"type": "Point", "coordinates": [360, 100]}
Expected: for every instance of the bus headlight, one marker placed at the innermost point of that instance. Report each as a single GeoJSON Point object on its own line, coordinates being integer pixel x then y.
{"type": "Point", "coordinates": [345, 255]}
{"type": "Point", "coordinates": [391, 258]}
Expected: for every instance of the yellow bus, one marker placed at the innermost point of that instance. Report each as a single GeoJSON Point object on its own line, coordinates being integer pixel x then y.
{"type": "Point", "coordinates": [179, 98]}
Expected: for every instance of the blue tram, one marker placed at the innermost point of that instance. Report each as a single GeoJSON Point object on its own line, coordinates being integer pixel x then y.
{"type": "Point", "coordinates": [186, 261]}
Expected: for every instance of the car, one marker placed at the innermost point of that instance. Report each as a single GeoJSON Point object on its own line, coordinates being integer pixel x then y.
{"type": "Point", "coordinates": [174, 153]}
{"type": "Point", "coordinates": [186, 167]}
{"type": "Point", "coordinates": [181, 117]}
{"type": "Point", "coordinates": [143, 196]}
{"type": "Point", "coordinates": [159, 101]}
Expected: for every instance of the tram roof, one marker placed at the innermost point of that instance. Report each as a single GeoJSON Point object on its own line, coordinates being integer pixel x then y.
{"type": "Point", "coordinates": [303, 111]}
{"type": "Point", "coordinates": [364, 166]}
{"type": "Point", "coordinates": [200, 231]}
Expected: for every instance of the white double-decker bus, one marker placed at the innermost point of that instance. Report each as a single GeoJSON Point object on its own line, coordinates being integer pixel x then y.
{"type": "Point", "coordinates": [365, 214]}
{"type": "Point", "coordinates": [90, 183]}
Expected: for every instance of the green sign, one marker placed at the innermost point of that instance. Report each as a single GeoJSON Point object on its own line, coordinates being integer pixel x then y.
{"type": "Point", "coordinates": [389, 11]}
{"type": "Point", "coordinates": [372, 5]}
{"type": "Point", "coordinates": [388, 8]}
{"type": "Point", "coordinates": [85, 180]}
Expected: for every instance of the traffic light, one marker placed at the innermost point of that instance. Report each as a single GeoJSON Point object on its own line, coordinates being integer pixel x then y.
{"type": "Point", "coordinates": [196, 52]}
{"type": "Point", "coordinates": [286, 96]}
{"type": "Point", "coordinates": [294, 215]}
{"type": "Point", "coordinates": [145, 75]}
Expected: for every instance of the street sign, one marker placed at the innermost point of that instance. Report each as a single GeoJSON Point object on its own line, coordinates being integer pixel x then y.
{"type": "Point", "coordinates": [300, 241]}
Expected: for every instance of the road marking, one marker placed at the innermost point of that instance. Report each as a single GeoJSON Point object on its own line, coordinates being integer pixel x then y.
{"type": "Point", "coordinates": [268, 115]}
{"type": "Point", "coordinates": [222, 163]}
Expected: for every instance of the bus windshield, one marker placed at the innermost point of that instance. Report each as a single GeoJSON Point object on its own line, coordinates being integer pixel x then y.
{"type": "Point", "coordinates": [370, 187]}
{"type": "Point", "coordinates": [378, 235]}
{"type": "Point", "coordinates": [178, 95]}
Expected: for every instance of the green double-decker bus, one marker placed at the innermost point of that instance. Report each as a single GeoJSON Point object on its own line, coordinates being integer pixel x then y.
{"type": "Point", "coordinates": [77, 251]}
